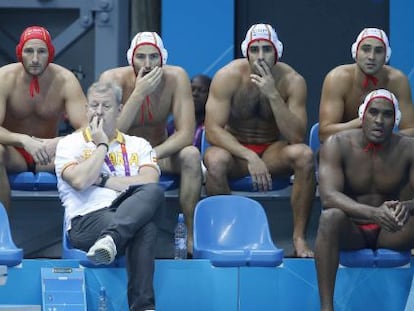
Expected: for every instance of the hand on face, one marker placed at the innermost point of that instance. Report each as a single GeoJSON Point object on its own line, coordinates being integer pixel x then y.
{"type": "Point", "coordinates": [263, 78]}
{"type": "Point", "coordinates": [147, 82]}
{"type": "Point", "coordinates": [97, 132]}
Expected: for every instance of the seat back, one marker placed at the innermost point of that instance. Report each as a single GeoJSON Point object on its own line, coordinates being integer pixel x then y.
{"type": "Point", "coordinates": [314, 142]}
{"type": "Point", "coordinates": [204, 143]}
{"type": "Point", "coordinates": [6, 240]}
{"type": "Point", "coordinates": [232, 230]}
{"type": "Point", "coordinates": [10, 255]}
{"type": "Point", "coordinates": [231, 221]}
{"type": "Point", "coordinates": [169, 181]}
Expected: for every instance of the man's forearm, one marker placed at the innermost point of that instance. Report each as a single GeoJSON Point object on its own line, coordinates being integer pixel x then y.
{"type": "Point", "coordinates": [130, 111]}
{"type": "Point", "coordinates": [173, 144]}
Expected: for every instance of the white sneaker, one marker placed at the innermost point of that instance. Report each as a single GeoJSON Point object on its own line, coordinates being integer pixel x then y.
{"type": "Point", "coordinates": [103, 251]}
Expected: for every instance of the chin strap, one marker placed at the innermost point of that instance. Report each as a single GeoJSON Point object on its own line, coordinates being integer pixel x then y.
{"type": "Point", "coordinates": [368, 78]}
{"type": "Point", "coordinates": [147, 103]}
{"type": "Point", "coordinates": [373, 147]}
{"type": "Point", "coordinates": [34, 86]}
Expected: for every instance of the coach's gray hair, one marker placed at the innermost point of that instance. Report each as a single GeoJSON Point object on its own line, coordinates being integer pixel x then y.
{"type": "Point", "coordinates": [103, 87]}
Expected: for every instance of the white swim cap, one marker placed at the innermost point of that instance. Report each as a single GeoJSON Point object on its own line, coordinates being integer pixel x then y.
{"type": "Point", "coordinates": [381, 93]}
{"type": "Point", "coordinates": [372, 33]}
{"type": "Point", "coordinates": [262, 32]}
{"type": "Point", "coordinates": [147, 37]}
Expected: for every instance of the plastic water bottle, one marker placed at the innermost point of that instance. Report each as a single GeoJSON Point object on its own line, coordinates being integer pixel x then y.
{"type": "Point", "coordinates": [102, 302]}
{"type": "Point", "coordinates": [180, 238]}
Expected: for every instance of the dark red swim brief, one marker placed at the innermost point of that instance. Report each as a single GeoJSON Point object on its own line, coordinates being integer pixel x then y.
{"type": "Point", "coordinates": [370, 233]}
{"type": "Point", "coordinates": [259, 149]}
{"type": "Point", "coordinates": [31, 164]}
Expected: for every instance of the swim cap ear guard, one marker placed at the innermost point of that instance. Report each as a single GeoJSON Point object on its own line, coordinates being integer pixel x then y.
{"type": "Point", "coordinates": [381, 93]}
{"type": "Point", "coordinates": [147, 37]}
{"type": "Point", "coordinates": [372, 33]}
{"type": "Point", "coordinates": [35, 32]}
{"type": "Point", "coordinates": [262, 32]}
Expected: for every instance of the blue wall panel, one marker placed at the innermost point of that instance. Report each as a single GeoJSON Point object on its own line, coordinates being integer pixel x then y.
{"type": "Point", "coordinates": [199, 35]}
{"type": "Point", "coordinates": [401, 34]}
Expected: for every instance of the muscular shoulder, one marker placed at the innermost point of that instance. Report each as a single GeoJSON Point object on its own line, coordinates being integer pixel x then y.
{"type": "Point", "coordinates": [9, 73]}
{"type": "Point", "coordinates": [395, 76]}
{"type": "Point", "coordinates": [341, 143]}
{"type": "Point", "coordinates": [338, 81]}
{"type": "Point", "coordinates": [231, 75]}
{"type": "Point", "coordinates": [290, 78]}
{"type": "Point", "coordinates": [120, 75]}
{"type": "Point", "coordinates": [176, 73]}
{"type": "Point", "coordinates": [61, 73]}
{"type": "Point", "coordinates": [342, 73]}
{"type": "Point", "coordinates": [405, 145]}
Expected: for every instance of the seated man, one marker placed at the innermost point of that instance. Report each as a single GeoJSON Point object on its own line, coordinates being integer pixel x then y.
{"type": "Point", "coordinates": [256, 122]}
{"type": "Point", "coordinates": [200, 85]}
{"type": "Point", "coordinates": [34, 95]}
{"type": "Point", "coordinates": [361, 174]}
{"type": "Point", "coordinates": [93, 166]}
{"type": "Point", "coordinates": [346, 86]}
{"type": "Point", "coordinates": [152, 91]}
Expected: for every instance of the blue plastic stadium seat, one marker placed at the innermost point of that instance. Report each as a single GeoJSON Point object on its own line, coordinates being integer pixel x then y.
{"type": "Point", "coordinates": [28, 181]}
{"type": "Point", "coordinates": [169, 181]}
{"type": "Point", "coordinates": [232, 231]}
{"type": "Point", "coordinates": [245, 183]}
{"type": "Point", "coordinates": [314, 142]}
{"type": "Point", "coordinates": [10, 255]}
{"type": "Point", "coordinates": [379, 258]}
{"type": "Point", "coordinates": [43, 181]}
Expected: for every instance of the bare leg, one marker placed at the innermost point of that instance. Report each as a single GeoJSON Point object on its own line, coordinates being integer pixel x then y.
{"type": "Point", "coordinates": [190, 187]}
{"type": "Point", "coordinates": [303, 193]}
{"type": "Point", "coordinates": [334, 227]}
{"type": "Point", "coordinates": [218, 163]}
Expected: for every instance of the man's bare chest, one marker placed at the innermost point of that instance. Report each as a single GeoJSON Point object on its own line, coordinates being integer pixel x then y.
{"type": "Point", "coordinates": [20, 106]}
{"type": "Point", "coordinates": [371, 173]}
{"type": "Point", "coordinates": [251, 105]}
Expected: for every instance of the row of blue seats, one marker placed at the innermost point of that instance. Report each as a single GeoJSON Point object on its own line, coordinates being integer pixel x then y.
{"type": "Point", "coordinates": [229, 230]}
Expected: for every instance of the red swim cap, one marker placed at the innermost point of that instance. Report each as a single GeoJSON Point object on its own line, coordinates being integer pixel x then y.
{"type": "Point", "coordinates": [35, 32]}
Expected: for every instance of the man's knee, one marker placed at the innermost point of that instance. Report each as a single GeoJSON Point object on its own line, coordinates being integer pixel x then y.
{"type": "Point", "coordinates": [190, 158]}
{"type": "Point", "coordinates": [216, 161]}
{"type": "Point", "coordinates": [331, 219]}
{"type": "Point", "coordinates": [154, 190]}
{"type": "Point", "coordinates": [304, 158]}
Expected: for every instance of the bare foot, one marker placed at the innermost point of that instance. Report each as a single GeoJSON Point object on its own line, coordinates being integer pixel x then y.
{"type": "Point", "coordinates": [302, 249]}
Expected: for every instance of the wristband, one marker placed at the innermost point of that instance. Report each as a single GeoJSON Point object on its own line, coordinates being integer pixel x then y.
{"type": "Point", "coordinates": [103, 144]}
{"type": "Point", "coordinates": [104, 179]}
